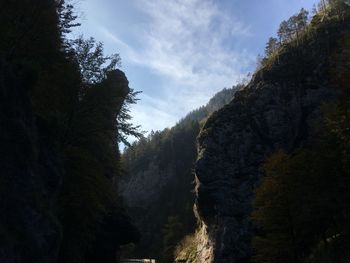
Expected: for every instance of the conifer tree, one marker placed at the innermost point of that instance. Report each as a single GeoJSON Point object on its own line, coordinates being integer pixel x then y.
{"type": "Point", "coordinates": [271, 46]}
{"type": "Point", "coordinates": [284, 32]}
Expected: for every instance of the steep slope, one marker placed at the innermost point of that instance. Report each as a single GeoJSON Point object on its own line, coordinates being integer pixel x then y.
{"type": "Point", "coordinates": [158, 189]}
{"type": "Point", "coordinates": [59, 156]}
{"type": "Point", "coordinates": [276, 110]}
{"type": "Point", "coordinates": [31, 172]}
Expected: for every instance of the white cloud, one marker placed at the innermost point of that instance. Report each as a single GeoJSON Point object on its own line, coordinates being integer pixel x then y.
{"type": "Point", "coordinates": [186, 43]}
{"type": "Point", "coordinates": [152, 116]}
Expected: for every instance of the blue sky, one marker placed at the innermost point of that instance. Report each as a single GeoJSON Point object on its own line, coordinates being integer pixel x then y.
{"type": "Point", "coordinates": [179, 53]}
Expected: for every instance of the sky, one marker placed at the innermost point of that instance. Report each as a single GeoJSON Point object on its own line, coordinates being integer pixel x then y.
{"type": "Point", "coordinates": [179, 53]}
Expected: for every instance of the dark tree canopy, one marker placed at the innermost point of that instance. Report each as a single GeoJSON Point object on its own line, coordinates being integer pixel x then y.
{"type": "Point", "coordinates": [76, 103]}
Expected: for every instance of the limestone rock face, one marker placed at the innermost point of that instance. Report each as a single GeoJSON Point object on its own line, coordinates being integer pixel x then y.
{"type": "Point", "coordinates": [275, 111]}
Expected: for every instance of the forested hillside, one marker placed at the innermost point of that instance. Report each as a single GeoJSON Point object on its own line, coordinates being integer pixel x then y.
{"type": "Point", "coordinates": [158, 187]}
{"type": "Point", "coordinates": [273, 166]}
{"type": "Point", "coordinates": [64, 108]}
{"type": "Point", "coordinates": [260, 174]}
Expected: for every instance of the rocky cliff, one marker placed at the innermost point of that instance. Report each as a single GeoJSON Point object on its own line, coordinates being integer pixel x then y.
{"type": "Point", "coordinates": [276, 110]}
{"type": "Point", "coordinates": [158, 187]}
{"type": "Point", "coordinates": [31, 173]}
{"type": "Point", "coordinates": [63, 110]}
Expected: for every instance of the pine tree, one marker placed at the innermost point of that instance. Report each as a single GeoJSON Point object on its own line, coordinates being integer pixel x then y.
{"type": "Point", "coordinates": [271, 46]}
{"type": "Point", "coordinates": [284, 32]}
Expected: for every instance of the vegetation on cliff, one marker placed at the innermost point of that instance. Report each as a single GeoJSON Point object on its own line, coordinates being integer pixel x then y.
{"type": "Point", "coordinates": [158, 187]}
{"type": "Point", "coordinates": [73, 111]}
{"type": "Point", "coordinates": [296, 107]}
{"type": "Point", "coordinates": [302, 206]}
{"type": "Point", "coordinates": [273, 158]}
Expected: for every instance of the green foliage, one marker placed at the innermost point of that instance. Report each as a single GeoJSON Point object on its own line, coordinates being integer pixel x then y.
{"type": "Point", "coordinates": [67, 18]}
{"type": "Point", "coordinates": [170, 153]}
{"type": "Point", "coordinates": [302, 206]}
{"type": "Point", "coordinates": [271, 46]}
{"type": "Point", "coordinates": [186, 250]}
{"type": "Point", "coordinates": [125, 127]}
{"type": "Point", "coordinates": [94, 65]}
{"type": "Point", "coordinates": [299, 28]}
{"type": "Point", "coordinates": [91, 145]}
{"type": "Point", "coordinates": [291, 28]}
{"type": "Point", "coordinates": [172, 232]}
{"type": "Point", "coordinates": [274, 213]}
{"type": "Point", "coordinates": [340, 71]}
{"type": "Point", "coordinates": [302, 202]}
{"type": "Point", "coordinates": [90, 162]}
{"type": "Point", "coordinates": [215, 103]}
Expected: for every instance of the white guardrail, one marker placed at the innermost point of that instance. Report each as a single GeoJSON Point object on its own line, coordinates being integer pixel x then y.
{"type": "Point", "coordinates": [138, 261]}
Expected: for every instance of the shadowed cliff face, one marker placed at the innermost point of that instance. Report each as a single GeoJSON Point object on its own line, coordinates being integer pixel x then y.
{"type": "Point", "coordinates": [32, 170]}
{"type": "Point", "coordinates": [275, 111]}
{"type": "Point", "coordinates": [30, 175]}
{"type": "Point", "coordinates": [63, 110]}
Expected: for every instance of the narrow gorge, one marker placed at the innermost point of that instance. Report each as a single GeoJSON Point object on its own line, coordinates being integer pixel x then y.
{"type": "Point", "coordinates": [150, 159]}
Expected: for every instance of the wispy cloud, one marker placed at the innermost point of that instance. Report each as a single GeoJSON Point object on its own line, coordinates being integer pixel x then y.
{"type": "Point", "coordinates": [151, 114]}
{"type": "Point", "coordinates": [189, 43]}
